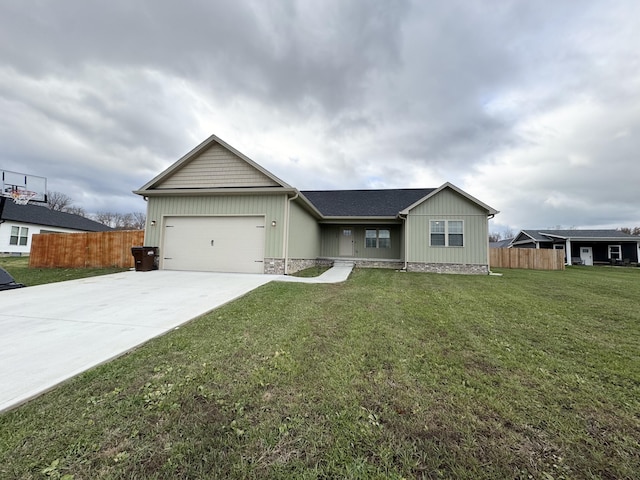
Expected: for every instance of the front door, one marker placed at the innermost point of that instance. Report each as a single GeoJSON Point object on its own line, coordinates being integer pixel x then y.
{"type": "Point", "coordinates": [346, 242]}
{"type": "Point", "coordinates": [586, 255]}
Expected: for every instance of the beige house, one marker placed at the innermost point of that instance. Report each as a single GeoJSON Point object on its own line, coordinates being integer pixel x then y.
{"type": "Point", "coordinates": [217, 210]}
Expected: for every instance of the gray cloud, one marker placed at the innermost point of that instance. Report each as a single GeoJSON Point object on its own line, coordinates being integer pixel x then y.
{"type": "Point", "coordinates": [532, 107]}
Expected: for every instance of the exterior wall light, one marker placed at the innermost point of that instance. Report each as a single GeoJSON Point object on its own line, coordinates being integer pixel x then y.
{"type": "Point", "coordinates": [273, 223]}
{"type": "Point", "coordinates": [153, 223]}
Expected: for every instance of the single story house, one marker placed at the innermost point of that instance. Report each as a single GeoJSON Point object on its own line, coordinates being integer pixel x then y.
{"type": "Point", "coordinates": [18, 223]}
{"type": "Point", "coordinates": [584, 247]}
{"type": "Point", "coordinates": [217, 210]}
{"type": "Point", "coordinates": [501, 243]}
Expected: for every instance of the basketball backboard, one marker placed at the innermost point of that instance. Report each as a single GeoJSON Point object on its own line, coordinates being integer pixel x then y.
{"type": "Point", "coordinates": [13, 183]}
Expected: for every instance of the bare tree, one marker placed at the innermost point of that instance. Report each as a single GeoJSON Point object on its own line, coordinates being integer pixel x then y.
{"type": "Point", "coordinates": [121, 221]}
{"type": "Point", "coordinates": [59, 201]}
{"type": "Point", "coordinates": [105, 218]}
{"type": "Point", "coordinates": [139, 220]}
{"type": "Point", "coordinates": [497, 236]}
{"type": "Point", "coordinates": [76, 211]}
{"type": "Point", "coordinates": [630, 231]}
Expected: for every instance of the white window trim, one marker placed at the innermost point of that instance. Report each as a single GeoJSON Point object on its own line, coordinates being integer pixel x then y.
{"type": "Point", "coordinates": [619, 247]}
{"type": "Point", "coordinates": [446, 233]}
{"type": "Point", "coordinates": [23, 234]}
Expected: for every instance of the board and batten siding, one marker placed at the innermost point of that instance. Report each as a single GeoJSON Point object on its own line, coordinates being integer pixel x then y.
{"type": "Point", "coordinates": [217, 167]}
{"type": "Point", "coordinates": [304, 234]}
{"type": "Point", "coordinates": [331, 242]}
{"type": "Point", "coordinates": [448, 205]}
{"type": "Point", "coordinates": [272, 207]}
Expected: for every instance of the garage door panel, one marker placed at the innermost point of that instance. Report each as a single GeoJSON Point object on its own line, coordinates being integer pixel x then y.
{"type": "Point", "coordinates": [218, 244]}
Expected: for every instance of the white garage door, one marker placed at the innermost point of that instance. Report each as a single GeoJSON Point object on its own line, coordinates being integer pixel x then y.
{"type": "Point", "coordinates": [214, 244]}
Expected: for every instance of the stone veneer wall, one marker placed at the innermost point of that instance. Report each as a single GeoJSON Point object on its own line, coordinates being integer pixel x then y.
{"type": "Point", "coordinates": [379, 264]}
{"type": "Point", "coordinates": [297, 264]}
{"type": "Point", "coordinates": [448, 268]}
{"type": "Point", "coordinates": [275, 266]}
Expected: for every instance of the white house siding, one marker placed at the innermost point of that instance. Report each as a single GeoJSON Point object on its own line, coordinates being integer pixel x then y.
{"type": "Point", "coordinates": [448, 205]}
{"type": "Point", "coordinates": [272, 207]}
{"type": "Point", "coordinates": [217, 167]}
{"type": "Point", "coordinates": [5, 236]}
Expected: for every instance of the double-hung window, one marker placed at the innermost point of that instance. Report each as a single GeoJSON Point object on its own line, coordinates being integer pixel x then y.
{"type": "Point", "coordinates": [615, 252]}
{"type": "Point", "coordinates": [19, 236]}
{"type": "Point", "coordinates": [446, 233]}
{"type": "Point", "coordinates": [377, 238]}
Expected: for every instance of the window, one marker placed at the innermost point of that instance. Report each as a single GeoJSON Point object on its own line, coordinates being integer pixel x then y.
{"type": "Point", "coordinates": [615, 252]}
{"type": "Point", "coordinates": [438, 233]}
{"type": "Point", "coordinates": [384, 239]}
{"type": "Point", "coordinates": [456, 231]}
{"type": "Point", "coordinates": [19, 236]}
{"type": "Point", "coordinates": [377, 238]}
{"type": "Point", "coordinates": [446, 233]}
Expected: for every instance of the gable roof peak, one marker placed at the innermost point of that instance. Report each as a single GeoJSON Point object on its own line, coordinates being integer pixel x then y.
{"type": "Point", "coordinates": [240, 161]}
{"type": "Point", "coordinates": [449, 185]}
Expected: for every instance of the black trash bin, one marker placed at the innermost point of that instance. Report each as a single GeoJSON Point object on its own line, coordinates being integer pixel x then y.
{"type": "Point", "coordinates": [145, 258]}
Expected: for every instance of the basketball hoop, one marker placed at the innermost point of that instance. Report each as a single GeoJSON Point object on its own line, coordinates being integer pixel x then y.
{"type": "Point", "coordinates": [22, 197]}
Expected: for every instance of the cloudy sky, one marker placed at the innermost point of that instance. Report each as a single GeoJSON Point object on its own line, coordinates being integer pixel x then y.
{"type": "Point", "coordinates": [532, 107]}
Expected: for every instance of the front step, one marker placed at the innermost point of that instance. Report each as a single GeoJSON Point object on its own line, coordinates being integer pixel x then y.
{"type": "Point", "coordinates": [343, 263]}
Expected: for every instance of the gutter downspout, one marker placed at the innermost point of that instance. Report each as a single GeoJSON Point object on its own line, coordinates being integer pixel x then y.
{"type": "Point", "coordinates": [489, 217]}
{"type": "Point", "coordinates": [287, 220]}
{"type": "Point", "coordinates": [406, 240]}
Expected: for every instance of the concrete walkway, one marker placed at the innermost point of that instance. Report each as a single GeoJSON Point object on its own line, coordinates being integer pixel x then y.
{"type": "Point", "coordinates": [336, 274]}
{"type": "Point", "coordinates": [50, 333]}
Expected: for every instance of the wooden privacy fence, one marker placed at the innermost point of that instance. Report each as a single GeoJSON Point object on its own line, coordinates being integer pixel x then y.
{"type": "Point", "coordinates": [80, 250]}
{"type": "Point", "coordinates": [529, 258]}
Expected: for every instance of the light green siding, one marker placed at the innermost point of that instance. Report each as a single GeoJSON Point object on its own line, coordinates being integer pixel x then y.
{"type": "Point", "coordinates": [217, 167]}
{"type": "Point", "coordinates": [448, 205]}
{"type": "Point", "coordinates": [304, 234]}
{"type": "Point", "coordinates": [330, 247]}
{"type": "Point", "coordinates": [272, 207]}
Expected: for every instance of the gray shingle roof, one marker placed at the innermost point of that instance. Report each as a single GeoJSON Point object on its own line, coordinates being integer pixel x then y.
{"type": "Point", "coordinates": [364, 203]}
{"type": "Point", "coordinates": [40, 215]}
{"type": "Point", "coordinates": [587, 233]}
{"type": "Point", "coordinates": [542, 235]}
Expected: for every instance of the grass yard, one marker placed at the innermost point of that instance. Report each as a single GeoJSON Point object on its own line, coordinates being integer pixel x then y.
{"type": "Point", "coordinates": [18, 267]}
{"type": "Point", "coordinates": [390, 375]}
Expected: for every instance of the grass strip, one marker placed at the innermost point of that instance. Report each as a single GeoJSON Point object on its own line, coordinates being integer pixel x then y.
{"type": "Point", "coordinates": [389, 375]}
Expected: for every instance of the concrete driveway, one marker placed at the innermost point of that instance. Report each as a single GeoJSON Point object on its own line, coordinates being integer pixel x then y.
{"type": "Point", "coordinates": [50, 333]}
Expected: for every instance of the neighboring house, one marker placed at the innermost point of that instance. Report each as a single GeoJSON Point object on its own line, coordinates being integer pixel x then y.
{"type": "Point", "coordinates": [501, 243]}
{"type": "Point", "coordinates": [217, 210]}
{"type": "Point", "coordinates": [18, 223]}
{"type": "Point", "coordinates": [585, 247]}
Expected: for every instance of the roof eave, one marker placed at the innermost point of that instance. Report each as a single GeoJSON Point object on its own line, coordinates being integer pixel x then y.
{"type": "Point", "coordinates": [490, 210]}
{"type": "Point", "coordinates": [307, 204]}
{"type": "Point", "coordinates": [598, 239]}
{"type": "Point", "coordinates": [359, 220]}
{"type": "Point", "coordinates": [196, 192]}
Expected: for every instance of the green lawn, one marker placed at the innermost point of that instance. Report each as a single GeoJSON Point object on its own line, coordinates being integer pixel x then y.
{"type": "Point", "coordinates": [389, 375]}
{"type": "Point", "coordinates": [19, 269]}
